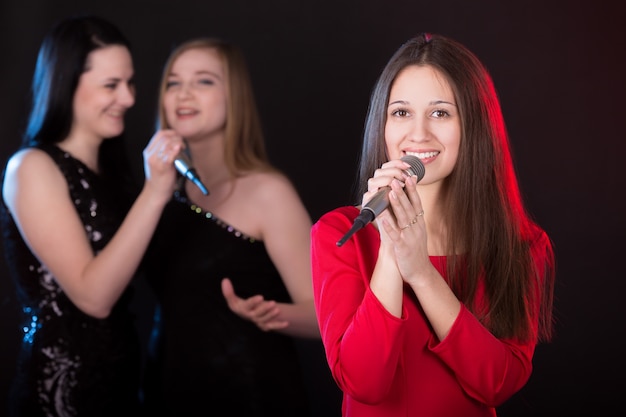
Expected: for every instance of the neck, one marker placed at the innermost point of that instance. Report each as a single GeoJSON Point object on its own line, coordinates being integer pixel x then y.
{"type": "Point", "coordinates": [207, 158]}
{"type": "Point", "coordinates": [84, 150]}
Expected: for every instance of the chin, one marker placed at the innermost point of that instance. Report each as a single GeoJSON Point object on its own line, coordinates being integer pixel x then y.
{"type": "Point", "coordinates": [111, 133]}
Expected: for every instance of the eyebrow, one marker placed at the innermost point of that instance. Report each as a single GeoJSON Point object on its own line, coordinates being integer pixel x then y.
{"type": "Point", "coordinates": [202, 72]}
{"type": "Point", "coordinates": [113, 79]}
{"type": "Point", "coordinates": [432, 103]}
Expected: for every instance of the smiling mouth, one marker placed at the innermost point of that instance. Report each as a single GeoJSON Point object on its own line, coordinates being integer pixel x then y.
{"type": "Point", "coordinates": [116, 113]}
{"type": "Point", "coordinates": [424, 155]}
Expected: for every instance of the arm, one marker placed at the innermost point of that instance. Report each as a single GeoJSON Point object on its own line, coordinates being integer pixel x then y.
{"type": "Point", "coordinates": [57, 237]}
{"type": "Point", "coordinates": [489, 369]}
{"type": "Point", "coordinates": [286, 233]}
{"type": "Point", "coordinates": [410, 252]}
{"type": "Point", "coordinates": [362, 339]}
{"type": "Point", "coordinates": [285, 229]}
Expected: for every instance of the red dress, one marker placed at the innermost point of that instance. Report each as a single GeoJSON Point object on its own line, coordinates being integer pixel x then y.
{"type": "Point", "coordinates": [389, 366]}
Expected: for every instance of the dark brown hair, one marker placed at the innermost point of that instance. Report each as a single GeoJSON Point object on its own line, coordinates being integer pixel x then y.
{"type": "Point", "coordinates": [483, 212]}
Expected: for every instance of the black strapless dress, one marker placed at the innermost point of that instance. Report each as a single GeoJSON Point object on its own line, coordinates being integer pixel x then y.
{"type": "Point", "coordinates": [206, 359]}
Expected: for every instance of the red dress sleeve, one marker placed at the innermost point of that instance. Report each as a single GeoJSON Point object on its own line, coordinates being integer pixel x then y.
{"type": "Point", "coordinates": [488, 369]}
{"type": "Point", "coordinates": [348, 313]}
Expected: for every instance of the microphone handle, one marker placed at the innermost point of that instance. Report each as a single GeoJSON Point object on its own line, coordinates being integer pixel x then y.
{"type": "Point", "coordinates": [183, 166]}
{"type": "Point", "coordinates": [373, 208]}
{"type": "Point", "coordinates": [364, 218]}
{"type": "Point", "coordinates": [192, 175]}
{"type": "Point", "coordinates": [379, 202]}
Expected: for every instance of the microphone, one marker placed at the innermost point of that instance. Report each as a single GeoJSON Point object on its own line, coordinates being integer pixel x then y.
{"type": "Point", "coordinates": [183, 165]}
{"type": "Point", "coordinates": [380, 201]}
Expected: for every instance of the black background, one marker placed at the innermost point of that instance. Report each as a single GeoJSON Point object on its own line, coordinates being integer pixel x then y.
{"type": "Point", "coordinates": [559, 70]}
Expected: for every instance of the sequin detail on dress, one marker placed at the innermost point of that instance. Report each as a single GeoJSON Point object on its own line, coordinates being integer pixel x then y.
{"type": "Point", "coordinates": [208, 215]}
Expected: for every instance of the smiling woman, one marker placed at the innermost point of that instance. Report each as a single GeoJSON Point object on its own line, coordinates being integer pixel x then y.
{"type": "Point", "coordinates": [71, 263]}
{"type": "Point", "coordinates": [231, 269]}
{"type": "Point", "coordinates": [436, 308]}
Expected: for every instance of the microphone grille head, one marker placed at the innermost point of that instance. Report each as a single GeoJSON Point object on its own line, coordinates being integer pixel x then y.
{"type": "Point", "coordinates": [417, 168]}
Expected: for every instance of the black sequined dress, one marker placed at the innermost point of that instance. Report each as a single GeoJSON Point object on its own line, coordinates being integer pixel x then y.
{"type": "Point", "coordinates": [209, 361]}
{"type": "Point", "coordinates": [71, 364]}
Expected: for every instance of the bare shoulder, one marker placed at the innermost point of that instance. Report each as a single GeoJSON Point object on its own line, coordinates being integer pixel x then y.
{"type": "Point", "coordinates": [268, 186]}
{"type": "Point", "coordinates": [275, 196]}
{"type": "Point", "coordinates": [31, 170]}
{"type": "Point", "coordinates": [28, 160]}
{"type": "Point", "coordinates": [274, 207]}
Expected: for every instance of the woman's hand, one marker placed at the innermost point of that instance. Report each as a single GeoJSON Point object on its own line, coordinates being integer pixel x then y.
{"type": "Point", "coordinates": [383, 176]}
{"type": "Point", "coordinates": [158, 157]}
{"type": "Point", "coordinates": [407, 229]}
{"type": "Point", "coordinates": [255, 309]}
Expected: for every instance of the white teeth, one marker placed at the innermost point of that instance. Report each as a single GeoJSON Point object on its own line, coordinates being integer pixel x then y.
{"type": "Point", "coordinates": [185, 112]}
{"type": "Point", "coordinates": [423, 155]}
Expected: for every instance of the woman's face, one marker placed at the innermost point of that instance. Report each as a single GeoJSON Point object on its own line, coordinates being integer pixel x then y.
{"type": "Point", "coordinates": [104, 92]}
{"type": "Point", "coordinates": [195, 95]}
{"type": "Point", "coordinates": [423, 120]}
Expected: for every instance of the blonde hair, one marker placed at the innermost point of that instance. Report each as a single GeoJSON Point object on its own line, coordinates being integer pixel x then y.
{"type": "Point", "coordinates": [244, 148]}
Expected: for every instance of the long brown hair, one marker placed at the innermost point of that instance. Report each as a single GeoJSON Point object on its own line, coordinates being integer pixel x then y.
{"type": "Point", "coordinates": [244, 148]}
{"type": "Point", "coordinates": [483, 210]}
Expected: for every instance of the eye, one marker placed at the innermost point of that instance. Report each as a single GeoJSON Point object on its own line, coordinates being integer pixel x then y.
{"type": "Point", "coordinates": [110, 86]}
{"type": "Point", "coordinates": [171, 83]}
{"type": "Point", "coordinates": [400, 113]}
{"type": "Point", "coordinates": [205, 82]}
{"type": "Point", "coordinates": [438, 114]}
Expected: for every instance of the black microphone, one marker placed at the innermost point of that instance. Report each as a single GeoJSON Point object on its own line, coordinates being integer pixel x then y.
{"type": "Point", "coordinates": [380, 201]}
{"type": "Point", "coordinates": [183, 165]}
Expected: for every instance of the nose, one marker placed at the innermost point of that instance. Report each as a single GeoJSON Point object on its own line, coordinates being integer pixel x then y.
{"type": "Point", "coordinates": [418, 130]}
{"type": "Point", "coordinates": [184, 90]}
{"type": "Point", "coordinates": [126, 95]}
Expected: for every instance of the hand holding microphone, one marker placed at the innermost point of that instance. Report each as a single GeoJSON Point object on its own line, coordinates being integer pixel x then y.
{"type": "Point", "coordinates": [162, 144]}
{"type": "Point", "coordinates": [380, 201]}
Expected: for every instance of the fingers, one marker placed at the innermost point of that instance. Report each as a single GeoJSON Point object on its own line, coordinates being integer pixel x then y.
{"type": "Point", "coordinates": [384, 176]}
{"type": "Point", "coordinates": [228, 291]}
{"type": "Point", "coordinates": [158, 157]}
{"type": "Point", "coordinates": [274, 325]}
{"type": "Point", "coordinates": [164, 146]}
{"type": "Point", "coordinates": [406, 204]}
{"type": "Point", "coordinates": [255, 309]}
{"type": "Point", "coordinates": [241, 306]}
{"type": "Point", "coordinates": [263, 313]}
